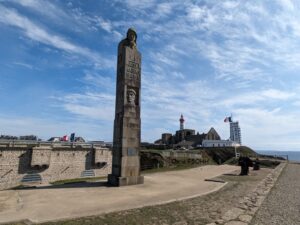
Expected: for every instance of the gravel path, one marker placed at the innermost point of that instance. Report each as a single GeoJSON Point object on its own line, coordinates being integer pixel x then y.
{"type": "Point", "coordinates": [282, 205]}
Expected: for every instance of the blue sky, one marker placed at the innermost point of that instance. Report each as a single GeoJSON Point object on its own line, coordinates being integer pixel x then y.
{"type": "Point", "coordinates": [204, 59]}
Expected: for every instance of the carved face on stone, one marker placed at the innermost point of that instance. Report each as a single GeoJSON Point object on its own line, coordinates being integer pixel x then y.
{"type": "Point", "coordinates": [131, 36]}
{"type": "Point", "coordinates": [131, 96]}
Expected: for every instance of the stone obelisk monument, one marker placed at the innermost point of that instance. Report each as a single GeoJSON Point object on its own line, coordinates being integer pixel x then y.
{"type": "Point", "coordinates": [127, 124]}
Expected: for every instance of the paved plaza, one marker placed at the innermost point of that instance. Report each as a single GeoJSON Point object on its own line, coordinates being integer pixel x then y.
{"type": "Point", "coordinates": [62, 202]}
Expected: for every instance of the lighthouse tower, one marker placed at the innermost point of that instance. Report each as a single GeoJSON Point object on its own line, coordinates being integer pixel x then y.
{"type": "Point", "coordinates": [181, 120]}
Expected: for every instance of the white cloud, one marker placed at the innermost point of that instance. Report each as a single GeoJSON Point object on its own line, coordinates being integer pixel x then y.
{"type": "Point", "coordinates": [173, 49]}
{"type": "Point", "coordinates": [26, 65]}
{"type": "Point", "coordinates": [163, 58]}
{"type": "Point", "coordinates": [46, 128]}
{"type": "Point", "coordinates": [269, 129]}
{"type": "Point", "coordinates": [45, 8]}
{"type": "Point", "coordinates": [178, 75]}
{"type": "Point", "coordinates": [164, 9]}
{"type": "Point", "coordinates": [91, 112]}
{"type": "Point", "coordinates": [37, 33]}
{"type": "Point", "coordinates": [230, 4]}
{"type": "Point", "coordinates": [257, 97]}
{"type": "Point", "coordinates": [277, 94]}
{"type": "Point", "coordinates": [100, 81]}
{"type": "Point", "coordinates": [196, 12]}
{"type": "Point", "coordinates": [104, 24]}
{"type": "Point", "coordinates": [287, 4]}
{"type": "Point", "coordinates": [139, 4]}
{"type": "Point", "coordinates": [89, 105]}
{"type": "Point", "coordinates": [73, 19]}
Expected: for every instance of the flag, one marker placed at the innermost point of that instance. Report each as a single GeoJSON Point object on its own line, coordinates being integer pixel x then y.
{"type": "Point", "coordinates": [72, 137]}
{"type": "Point", "coordinates": [65, 138]}
{"type": "Point", "coordinates": [228, 119]}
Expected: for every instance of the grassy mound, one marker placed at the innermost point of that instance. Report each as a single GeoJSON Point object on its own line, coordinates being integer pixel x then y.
{"type": "Point", "coordinates": [223, 154]}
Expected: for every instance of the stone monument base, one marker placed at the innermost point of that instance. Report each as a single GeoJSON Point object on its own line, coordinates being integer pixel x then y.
{"type": "Point", "coordinates": [124, 181]}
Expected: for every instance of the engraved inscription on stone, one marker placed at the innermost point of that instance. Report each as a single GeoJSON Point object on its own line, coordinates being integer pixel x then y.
{"type": "Point", "coordinates": [132, 70]}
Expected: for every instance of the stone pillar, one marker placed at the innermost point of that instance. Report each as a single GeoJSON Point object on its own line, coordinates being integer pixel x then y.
{"type": "Point", "coordinates": [127, 124]}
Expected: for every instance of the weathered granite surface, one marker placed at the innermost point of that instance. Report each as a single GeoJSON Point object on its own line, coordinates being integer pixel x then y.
{"type": "Point", "coordinates": [127, 124]}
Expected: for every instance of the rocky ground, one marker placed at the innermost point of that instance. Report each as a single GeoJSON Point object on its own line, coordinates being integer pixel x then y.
{"type": "Point", "coordinates": [282, 205]}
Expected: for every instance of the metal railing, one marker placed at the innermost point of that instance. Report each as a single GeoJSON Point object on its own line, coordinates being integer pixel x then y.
{"type": "Point", "coordinates": [32, 143]}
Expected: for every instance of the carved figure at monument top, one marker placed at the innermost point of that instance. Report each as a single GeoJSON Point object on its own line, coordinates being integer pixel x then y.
{"type": "Point", "coordinates": [130, 39]}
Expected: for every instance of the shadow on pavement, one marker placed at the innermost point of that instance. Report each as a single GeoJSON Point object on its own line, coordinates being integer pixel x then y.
{"type": "Point", "coordinates": [81, 184]}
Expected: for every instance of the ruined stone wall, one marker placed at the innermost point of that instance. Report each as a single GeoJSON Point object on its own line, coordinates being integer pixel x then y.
{"type": "Point", "coordinates": [51, 163]}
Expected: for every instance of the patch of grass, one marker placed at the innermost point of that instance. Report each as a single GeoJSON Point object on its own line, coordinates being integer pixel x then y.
{"type": "Point", "coordinates": [264, 163]}
{"type": "Point", "coordinates": [17, 223]}
{"type": "Point", "coordinates": [77, 180]}
{"type": "Point", "coordinates": [21, 186]}
{"type": "Point", "coordinates": [161, 214]}
{"type": "Point", "coordinates": [172, 168]}
{"type": "Point", "coordinates": [269, 163]}
{"type": "Point", "coordinates": [232, 161]}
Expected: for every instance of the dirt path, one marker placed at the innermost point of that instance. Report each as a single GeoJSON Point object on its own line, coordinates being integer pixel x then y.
{"type": "Point", "coordinates": [282, 205]}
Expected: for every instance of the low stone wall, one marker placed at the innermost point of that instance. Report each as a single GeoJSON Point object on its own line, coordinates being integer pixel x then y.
{"type": "Point", "coordinates": [243, 214]}
{"type": "Point", "coordinates": [51, 163]}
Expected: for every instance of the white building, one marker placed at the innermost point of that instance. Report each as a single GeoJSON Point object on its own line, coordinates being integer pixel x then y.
{"type": "Point", "coordinates": [219, 143]}
{"type": "Point", "coordinates": [235, 132]}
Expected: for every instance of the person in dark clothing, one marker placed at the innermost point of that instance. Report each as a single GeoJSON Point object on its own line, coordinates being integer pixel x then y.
{"type": "Point", "coordinates": [256, 164]}
{"type": "Point", "coordinates": [245, 162]}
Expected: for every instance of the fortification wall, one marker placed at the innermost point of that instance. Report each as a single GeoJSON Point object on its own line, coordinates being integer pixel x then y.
{"type": "Point", "coordinates": [51, 163]}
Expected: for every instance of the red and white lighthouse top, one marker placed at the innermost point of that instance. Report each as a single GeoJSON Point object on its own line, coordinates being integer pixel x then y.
{"type": "Point", "coordinates": [181, 119]}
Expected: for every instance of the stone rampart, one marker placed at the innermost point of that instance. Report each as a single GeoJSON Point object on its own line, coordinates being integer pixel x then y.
{"type": "Point", "coordinates": [53, 162]}
{"type": "Point", "coordinates": [243, 214]}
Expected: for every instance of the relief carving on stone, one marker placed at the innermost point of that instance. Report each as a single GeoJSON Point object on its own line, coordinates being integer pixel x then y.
{"type": "Point", "coordinates": [130, 40]}
{"type": "Point", "coordinates": [131, 96]}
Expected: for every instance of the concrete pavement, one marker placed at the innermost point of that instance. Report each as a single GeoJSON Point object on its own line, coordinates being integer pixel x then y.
{"type": "Point", "coordinates": [56, 203]}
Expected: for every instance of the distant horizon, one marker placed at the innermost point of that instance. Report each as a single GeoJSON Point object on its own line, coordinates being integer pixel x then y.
{"type": "Point", "coordinates": [277, 150]}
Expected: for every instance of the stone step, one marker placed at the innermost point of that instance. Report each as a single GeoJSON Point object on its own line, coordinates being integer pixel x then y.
{"type": "Point", "coordinates": [88, 173]}
{"type": "Point", "coordinates": [34, 177]}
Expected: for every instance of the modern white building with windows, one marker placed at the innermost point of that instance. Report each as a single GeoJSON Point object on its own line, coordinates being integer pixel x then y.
{"type": "Point", "coordinates": [235, 132]}
{"type": "Point", "coordinates": [219, 143]}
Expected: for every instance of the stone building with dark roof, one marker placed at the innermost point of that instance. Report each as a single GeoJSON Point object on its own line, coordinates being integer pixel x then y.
{"type": "Point", "coordinates": [187, 137]}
